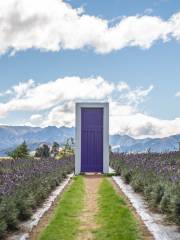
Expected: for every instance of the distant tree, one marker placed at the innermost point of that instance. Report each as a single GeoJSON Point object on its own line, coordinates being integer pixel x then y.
{"type": "Point", "coordinates": [20, 152]}
{"type": "Point", "coordinates": [55, 148]}
{"type": "Point", "coordinates": [43, 151]}
{"type": "Point", "coordinates": [69, 143]}
{"type": "Point", "coordinates": [67, 149]}
{"type": "Point", "coordinates": [24, 149]}
{"type": "Point", "coordinates": [55, 145]}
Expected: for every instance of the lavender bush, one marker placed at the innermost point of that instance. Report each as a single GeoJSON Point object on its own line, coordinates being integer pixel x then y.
{"type": "Point", "coordinates": [24, 184]}
{"type": "Point", "coordinates": [157, 176]}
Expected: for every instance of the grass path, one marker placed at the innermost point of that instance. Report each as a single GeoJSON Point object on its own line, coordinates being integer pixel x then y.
{"type": "Point", "coordinates": [92, 209]}
{"type": "Point", "coordinates": [115, 218]}
{"type": "Point", "coordinates": [64, 224]}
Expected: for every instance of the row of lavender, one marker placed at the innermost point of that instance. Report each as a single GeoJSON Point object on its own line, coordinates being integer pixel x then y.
{"type": "Point", "coordinates": [155, 175]}
{"type": "Point", "coordinates": [24, 184]}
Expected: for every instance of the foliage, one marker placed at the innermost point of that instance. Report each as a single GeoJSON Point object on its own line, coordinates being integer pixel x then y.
{"type": "Point", "coordinates": [24, 184]}
{"type": "Point", "coordinates": [55, 148]}
{"type": "Point", "coordinates": [65, 222]}
{"type": "Point", "coordinates": [20, 152]}
{"type": "Point", "coordinates": [43, 151]}
{"type": "Point", "coordinates": [115, 219]}
{"type": "Point", "coordinates": [156, 175]}
{"type": "Point", "coordinates": [67, 150]}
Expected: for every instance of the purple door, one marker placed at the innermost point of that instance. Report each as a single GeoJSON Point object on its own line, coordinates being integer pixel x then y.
{"type": "Point", "coordinates": [91, 139]}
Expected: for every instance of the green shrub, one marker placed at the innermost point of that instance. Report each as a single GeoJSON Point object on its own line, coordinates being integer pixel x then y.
{"type": "Point", "coordinates": [10, 214]}
{"type": "Point", "coordinates": [118, 170]}
{"type": "Point", "coordinates": [148, 192]}
{"type": "Point", "coordinates": [137, 184]}
{"type": "Point", "coordinates": [3, 224]}
{"type": "Point", "coordinates": [40, 177]}
{"type": "Point", "coordinates": [154, 174]}
{"type": "Point", "coordinates": [24, 209]}
{"type": "Point", "coordinates": [165, 204]}
{"type": "Point", "coordinates": [127, 177]}
{"type": "Point", "coordinates": [3, 227]}
{"type": "Point", "coordinates": [177, 209]}
{"type": "Point", "coordinates": [157, 194]}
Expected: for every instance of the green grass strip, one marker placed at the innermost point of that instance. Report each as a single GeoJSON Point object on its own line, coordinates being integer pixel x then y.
{"type": "Point", "coordinates": [114, 217]}
{"type": "Point", "coordinates": [64, 224]}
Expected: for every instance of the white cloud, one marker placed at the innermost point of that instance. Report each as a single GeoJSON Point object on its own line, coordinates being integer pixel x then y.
{"type": "Point", "coordinates": [35, 120]}
{"type": "Point", "coordinates": [63, 115]}
{"type": "Point", "coordinates": [36, 117]}
{"type": "Point", "coordinates": [148, 11]}
{"type": "Point", "coordinates": [177, 94]}
{"type": "Point", "coordinates": [57, 99]}
{"type": "Point", "coordinates": [52, 103]}
{"type": "Point", "coordinates": [21, 89]}
{"type": "Point", "coordinates": [124, 119]}
{"type": "Point", "coordinates": [138, 95]}
{"type": "Point", "coordinates": [122, 86]}
{"type": "Point", "coordinates": [140, 125]}
{"type": "Point", "coordinates": [29, 96]}
{"type": "Point", "coordinates": [51, 25]}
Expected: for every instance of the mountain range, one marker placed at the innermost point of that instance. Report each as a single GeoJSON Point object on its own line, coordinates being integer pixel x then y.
{"type": "Point", "coordinates": [11, 136]}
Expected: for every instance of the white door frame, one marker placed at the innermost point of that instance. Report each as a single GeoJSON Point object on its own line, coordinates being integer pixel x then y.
{"type": "Point", "coordinates": [105, 106]}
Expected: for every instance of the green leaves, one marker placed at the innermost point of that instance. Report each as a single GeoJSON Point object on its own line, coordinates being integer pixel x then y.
{"type": "Point", "coordinates": [20, 152]}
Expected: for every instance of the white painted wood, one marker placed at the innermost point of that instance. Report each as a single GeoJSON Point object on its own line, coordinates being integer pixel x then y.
{"type": "Point", "coordinates": [105, 106]}
{"type": "Point", "coordinates": [78, 140]}
{"type": "Point", "coordinates": [106, 138]}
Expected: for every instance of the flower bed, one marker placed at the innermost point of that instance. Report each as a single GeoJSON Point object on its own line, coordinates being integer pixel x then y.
{"type": "Point", "coordinates": [24, 184]}
{"type": "Point", "coordinates": [155, 175]}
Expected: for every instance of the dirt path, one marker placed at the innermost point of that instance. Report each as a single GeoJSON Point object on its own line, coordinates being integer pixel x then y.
{"type": "Point", "coordinates": [87, 218]}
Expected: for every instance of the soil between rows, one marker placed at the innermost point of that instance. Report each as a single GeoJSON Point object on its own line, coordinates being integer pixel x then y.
{"type": "Point", "coordinates": [87, 217]}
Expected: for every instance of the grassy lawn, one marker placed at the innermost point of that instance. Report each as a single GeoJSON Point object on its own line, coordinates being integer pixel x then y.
{"type": "Point", "coordinates": [64, 224]}
{"type": "Point", "coordinates": [114, 217]}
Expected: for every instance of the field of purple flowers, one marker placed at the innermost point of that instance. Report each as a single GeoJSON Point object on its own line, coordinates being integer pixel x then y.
{"type": "Point", "coordinates": [24, 184]}
{"type": "Point", "coordinates": [155, 175]}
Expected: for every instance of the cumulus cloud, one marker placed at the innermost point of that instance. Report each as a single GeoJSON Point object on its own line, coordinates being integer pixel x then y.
{"type": "Point", "coordinates": [21, 89]}
{"type": "Point", "coordinates": [63, 115]}
{"type": "Point", "coordinates": [56, 99]}
{"type": "Point", "coordinates": [177, 94]}
{"type": "Point", "coordinates": [140, 125]}
{"type": "Point", "coordinates": [122, 86]}
{"type": "Point", "coordinates": [138, 95]}
{"type": "Point", "coordinates": [28, 96]}
{"type": "Point", "coordinates": [51, 25]}
{"type": "Point", "coordinates": [124, 119]}
{"type": "Point", "coordinates": [35, 120]}
{"type": "Point", "coordinates": [53, 103]}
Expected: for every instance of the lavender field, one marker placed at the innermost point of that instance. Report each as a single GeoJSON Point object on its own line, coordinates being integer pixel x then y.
{"type": "Point", "coordinates": [155, 175]}
{"type": "Point", "coordinates": [24, 184]}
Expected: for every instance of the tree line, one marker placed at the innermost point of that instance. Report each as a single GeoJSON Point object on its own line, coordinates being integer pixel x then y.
{"type": "Point", "coordinates": [44, 151]}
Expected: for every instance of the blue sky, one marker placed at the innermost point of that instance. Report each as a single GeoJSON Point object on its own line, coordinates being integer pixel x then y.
{"type": "Point", "coordinates": [148, 64]}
